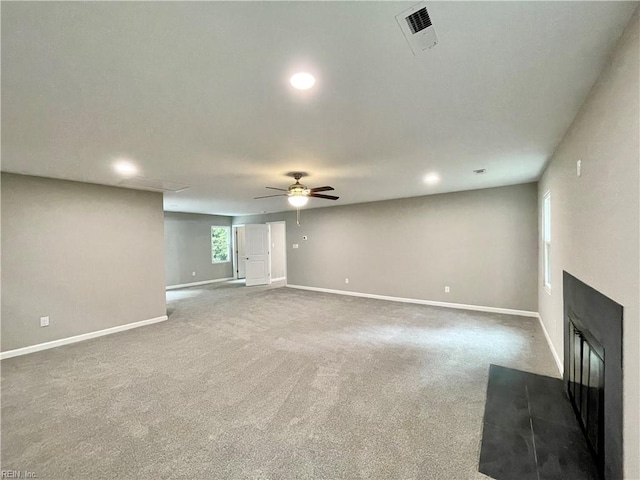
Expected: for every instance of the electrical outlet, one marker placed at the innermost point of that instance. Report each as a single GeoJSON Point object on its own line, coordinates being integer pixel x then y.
{"type": "Point", "coordinates": [346, 280]}
{"type": "Point", "coordinates": [447, 290]}
{"type": "Point", "coordinates": [295, 245]}
{"type": "Point", "coordinates": [193, 274]}
{"type": "Point", "coordinates": [44, 321]}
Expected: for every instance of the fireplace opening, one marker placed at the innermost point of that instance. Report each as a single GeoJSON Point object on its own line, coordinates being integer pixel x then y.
{"type": "Point", "coordinates": [593, 327]}
{"type": "Point", "coordinates": [586, 386]}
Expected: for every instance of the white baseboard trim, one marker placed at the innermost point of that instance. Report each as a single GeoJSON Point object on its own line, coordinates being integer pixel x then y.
{"type": "Point", "coordinates": [195, 284]}
{"type": "Point", "coordinates": [278, 279]}
{"type": "Point", "coordinates": [556, 357]}
{"type": "Point", "coordinates": [78, 338]}
{"type": "Point", "coordinates": [479, 308]}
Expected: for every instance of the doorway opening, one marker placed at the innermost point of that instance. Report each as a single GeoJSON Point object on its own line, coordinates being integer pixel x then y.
{"type": "Point", "coordinates": [260, 252]}
{"type": "Point", "coordinates": [278, 257]}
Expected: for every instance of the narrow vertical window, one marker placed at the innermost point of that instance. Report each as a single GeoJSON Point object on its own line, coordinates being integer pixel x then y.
{"type": "Point", "coordinates": [546, 238]}
{"type": "Point", "coordinates": [220, 244]}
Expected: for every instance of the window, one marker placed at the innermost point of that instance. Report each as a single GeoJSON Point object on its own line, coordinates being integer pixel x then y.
{"type": "Point", "coordinates": [220, 244]}
{"type": "Point", "coordinates": [546, 238]}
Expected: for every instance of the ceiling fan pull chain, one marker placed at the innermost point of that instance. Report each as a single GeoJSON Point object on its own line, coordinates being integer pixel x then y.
{"type": "Point", "coordinates": [298, 216]}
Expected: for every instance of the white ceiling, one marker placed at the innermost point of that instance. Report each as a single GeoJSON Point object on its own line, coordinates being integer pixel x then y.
{"type": "Point", "coordinates": [197, 93]}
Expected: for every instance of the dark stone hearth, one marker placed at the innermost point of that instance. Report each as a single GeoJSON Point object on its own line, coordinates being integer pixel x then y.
{"type": "Point", "coordinates": [530, 430]}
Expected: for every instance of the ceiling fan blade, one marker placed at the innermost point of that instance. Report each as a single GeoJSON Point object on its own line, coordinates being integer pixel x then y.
{"type": "Point", "coordinates": [268, 196]}
{"type": "Point", "coordinates": [328, 197]}
{"type": "Point", "coordinates": [321, 189]}
{"type": "Point", "coordinates": [275, 188]}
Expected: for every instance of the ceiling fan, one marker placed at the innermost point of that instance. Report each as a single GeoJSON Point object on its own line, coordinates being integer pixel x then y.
{"type": "Point", "coordinates": [298, 193]}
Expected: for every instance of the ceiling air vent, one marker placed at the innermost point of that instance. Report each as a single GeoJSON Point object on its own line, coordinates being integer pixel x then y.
{"type": "Point", "coordinates": [419, 21]}
{"type": "Point", "coordinates": [416, 25]}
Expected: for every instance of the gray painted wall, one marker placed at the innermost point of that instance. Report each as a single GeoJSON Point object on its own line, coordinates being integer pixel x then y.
{"type": "Point", "coordinates": [595, 226]}
{"type": "Point", "coordinates": [89, 256]}
{"type": "Point", "coordinates": [481, 243]}
{"type": "Point", "coordinates": [187, 246]}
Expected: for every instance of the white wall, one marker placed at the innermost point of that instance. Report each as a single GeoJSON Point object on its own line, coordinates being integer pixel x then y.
{"type": "Point", "coordinates": [595, 228]}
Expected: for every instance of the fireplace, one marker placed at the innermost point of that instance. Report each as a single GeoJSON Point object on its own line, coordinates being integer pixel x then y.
{"type": "Point", "coordinates": [593, 370]}
{"type": "Point", "coordinates": [586, 386]}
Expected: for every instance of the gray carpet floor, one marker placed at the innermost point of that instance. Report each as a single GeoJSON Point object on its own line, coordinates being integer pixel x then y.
{"type": "Point", "coordinates": [266, 383]}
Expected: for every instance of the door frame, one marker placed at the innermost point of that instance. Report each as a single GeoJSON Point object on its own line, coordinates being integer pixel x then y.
{"type": "Point", "coordinates": [234, 257]}
{"type": "Point", "coordinates": [234, 245]}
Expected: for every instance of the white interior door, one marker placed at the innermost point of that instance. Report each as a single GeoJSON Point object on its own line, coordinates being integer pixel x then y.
{"type": "Point", "coordinates": [256, 239]}
{"type": "Point", "coordinates": [241, 253]}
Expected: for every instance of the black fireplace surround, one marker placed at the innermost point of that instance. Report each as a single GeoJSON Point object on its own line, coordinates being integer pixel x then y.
{"type": "Point", "coordinates": [593, 370]}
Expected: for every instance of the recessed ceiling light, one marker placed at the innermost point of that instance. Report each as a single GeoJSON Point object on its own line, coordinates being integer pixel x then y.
{"type": "Point", "coordinates": [302, 81]}
{"type": "Point", "coordinates": [432, 179]}
{"type": "Point", "coordinates": [125, 167]}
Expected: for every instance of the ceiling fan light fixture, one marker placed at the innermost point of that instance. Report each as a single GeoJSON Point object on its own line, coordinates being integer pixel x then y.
{"type": "Point", "coordinates": [298, 200]}
{"type": "Point", "coordinates": [298, 194]}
